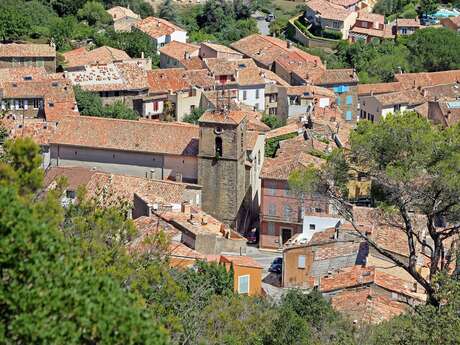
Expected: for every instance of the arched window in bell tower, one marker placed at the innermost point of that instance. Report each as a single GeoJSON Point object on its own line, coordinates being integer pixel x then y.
{"type": "Point", "coordinates": [218, 146]}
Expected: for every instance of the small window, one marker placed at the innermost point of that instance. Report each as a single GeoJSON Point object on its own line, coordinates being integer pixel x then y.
{"type": "Point", "coordinates": [272, 209]}
{"type": "Point", "coordinates": [287, 211]}
{"type": "Point", "coordinates": [318, 210]}
{"type": "Point", "coordinates": [349, 99]}
{"type": "Point", "coordinates": [70, 194]}
{"type": "Point", "coordinates": [257, 94]}
{"type": "Point", "coordinates": [245, 95]}
{"type": "Point", "coordinates": [155, 106]}
{"type": "Point", "coordinates": [312, 226]}
{"type": "Point", "coordinates": [219, 147]}
{"type": "Point", "coordinates": [335, 25]}
{"type": "Point", "coordinates": [243, 284]}
{"type": "Point", "coordinates": [271, 229]}
{"type": "Point", "coordinates": [301, 261]}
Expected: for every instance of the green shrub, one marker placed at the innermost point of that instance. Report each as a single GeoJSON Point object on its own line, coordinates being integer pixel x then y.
{"type": "Point", "coordinates": [332, 34]}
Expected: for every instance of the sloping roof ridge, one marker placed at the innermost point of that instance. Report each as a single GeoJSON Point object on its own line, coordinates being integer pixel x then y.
{"type": "Point", "coordinates": [163, 123]}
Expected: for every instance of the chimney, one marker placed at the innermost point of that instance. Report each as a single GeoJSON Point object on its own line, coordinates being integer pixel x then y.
{"type": "Point", "coordinates": [187, 56]}
{"type": "Point", "coordinates": [186, 208]}
{"type": "Point", "coordinates": [289, 44]}
{"type": "Point", "coordinates": [142, 55]}
{"type": "Point", "coordinates": [204, 220]}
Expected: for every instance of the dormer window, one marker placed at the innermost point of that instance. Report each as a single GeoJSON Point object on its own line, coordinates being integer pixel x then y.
{"type": "Point", "coordinates": [28, 77]}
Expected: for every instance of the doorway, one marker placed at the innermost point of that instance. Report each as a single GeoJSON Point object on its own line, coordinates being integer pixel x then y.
{"type": "Point", "coordinates": [286, 234]}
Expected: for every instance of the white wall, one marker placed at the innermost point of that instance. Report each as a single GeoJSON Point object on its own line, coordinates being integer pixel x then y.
{"type": "Point", "coordinates": [179, 36]}
{"type": "Point", "coordinates": [251, 99]}
{"type": "Point", "coordinates": [320, 223]}
{"type": "Point", "coordinates": [148, 107]}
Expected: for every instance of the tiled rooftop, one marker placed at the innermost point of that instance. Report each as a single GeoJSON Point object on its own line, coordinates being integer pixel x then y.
{"type": "Point", "coordinates": [119, 12]}
{"type": "Point", "coordinates": [54, 90]}
{"type": "Point", "coordinates": [244, 71]}
{"type": "Point", "coordinates": [26, 50]}
{"type": "Point", "coordinates": [129, 135]}
{"type": "Point", "coordinates": [179, 50]}
{"type": "Point", "coordinates": [102, 55]}
{"type": "Point", "coordinates": [328, 10]}
{"type": "Point", "coordinates": [157, 27]}
{"type": "Point", "coordinates": [368, 89]}
{"type": "Point", "coordinates": [167, 80]}
{"type": "Point", "coordinates": [405, 22]}
{"type": "Point", "coordinates": [231, 117]}
{"type": "Point", "coordinates": [337, 76]}
{"type": "Point", "coordinates": [127, 75]}
{"type": "Point", "coordinates": [280, 168]}
{"type": "Point", "coordinates": [412, 80]}
{"type": "Point", "coordinates": [366, 306]}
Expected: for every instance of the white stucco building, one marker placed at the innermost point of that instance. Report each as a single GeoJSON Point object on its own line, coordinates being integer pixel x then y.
{"type": "Point", "coordinates": [161, 31]}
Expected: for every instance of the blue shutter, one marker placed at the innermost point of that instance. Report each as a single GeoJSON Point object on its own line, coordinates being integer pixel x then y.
{"type": "Point", "coordinates": [336, 89]}
{"type": "Point", "coordinates": [338, 100]}
{"type": "Point", "coordinates": [349, 99]}
{"type": "Point", "coordinates": [348, 115]}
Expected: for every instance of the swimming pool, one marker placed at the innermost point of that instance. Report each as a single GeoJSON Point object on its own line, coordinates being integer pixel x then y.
{"type": "Point", "coordinates": [444, 13]}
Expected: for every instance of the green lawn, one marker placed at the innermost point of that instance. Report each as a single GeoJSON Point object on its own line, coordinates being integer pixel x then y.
{"type": "Point", "coordinates": [286, 6]}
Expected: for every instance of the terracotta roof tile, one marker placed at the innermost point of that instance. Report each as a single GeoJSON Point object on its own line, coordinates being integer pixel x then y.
{"type": "Point", "coordinates": [193, 63]}
{"type": "Point", "coordinates": [219, 48]}
{"type": "Point", "coordinates": [368, 89]}
{"type": "Point", "coordinates": [310, 68]}
{"type": "Point", "coordinates": [365, 15]}
{"type": "Point", "coordinates": [292, 127]}
{"type": "Point", "coordinates": [76, 176]}
{"type": "Point", "coordinates": [167, 80]}
{"type": "Point", "coordinates": [26, 50]}
{"type": "Point", "coordinates": [405, 22]}
{"type": "Point", "coordinates": [453, 20]}
{"type": "Point", "coordinates": [231, 117]}
{"type": "Point", "coordinates": [128, 135]}
{"type": "Point", "coordinates": [239, 260]}
{"type": "Point", "coordinates": [386, 32]}
{"type": "Point", "coordinates": [328, 10]}
{"type": "Point", "coordinates": [337, 76]}
{"type": "Point", "coordinates": [411, 97]}
{"type": "Point", "coordinates": [279, 168]}
{"type": "Point", "coordinates": [119, 12]}
{"type": "Point", "coordinates": [179, 50]}
{"type": "Point", "coordinates": [16, 74]}
{"type": "Point", "coordinates": [127, 75]}
{"type": "Point", "coordinates": [200, 78]}
{"type": "Point", "coordinates": [53, 90]}
{"type": "Point", "coordinates": [266, 49]}
{"type": "Point", "coordinates": [245, 71]}
{"type": "Point", "coordinates": [157, 27]}
{"type": "Point", "coordinates": [366, 306]}
{"type": "Point", "coordinates": [101, 55]}
{"type": "Point", "coordinates": [38, 130]}
{"type": "Point", "coordinates": [412, 80]}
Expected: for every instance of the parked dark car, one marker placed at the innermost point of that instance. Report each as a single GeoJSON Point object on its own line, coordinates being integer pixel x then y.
{"type": "Point", "coordinates": [252, 237]}
{"type": "Point", "coordinates": [269, 17]}
{"type": "Point", "coordinates": [276, 266]}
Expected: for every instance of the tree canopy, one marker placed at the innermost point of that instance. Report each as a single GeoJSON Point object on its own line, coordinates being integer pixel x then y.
{"type": "Point", "coordinates": [414, 167]}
